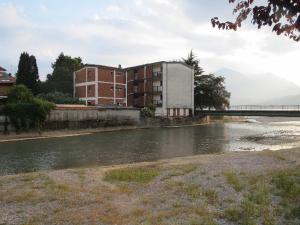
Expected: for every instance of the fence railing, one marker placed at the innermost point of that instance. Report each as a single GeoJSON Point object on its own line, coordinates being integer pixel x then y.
{"type": "Point", "coordinates": [266, 107]}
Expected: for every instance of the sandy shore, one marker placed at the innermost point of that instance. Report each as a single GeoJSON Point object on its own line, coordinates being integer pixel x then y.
{"type": "Point", "coordinates": [234, 188]}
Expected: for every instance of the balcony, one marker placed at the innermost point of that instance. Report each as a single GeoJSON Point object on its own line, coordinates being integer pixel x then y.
{"type": "Point", "coordinates": [157, 103]}
{"type": "Point", "coordinates": [157, 75]}
{"type": "Point", "coordinates": [157, 88]}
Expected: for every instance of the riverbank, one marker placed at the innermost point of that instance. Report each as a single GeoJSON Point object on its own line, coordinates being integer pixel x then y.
{"type": "Point", "coordinates": [60, 133]}
{"type": "Point", "coordinates": [233, 188]}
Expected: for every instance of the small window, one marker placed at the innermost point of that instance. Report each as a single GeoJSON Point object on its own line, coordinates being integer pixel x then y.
{"type": "Point", "coordinates": [89, 89]}
{"type": "Point", "coordinates": [89, 75]}
{"type": "Point", "coordinates": [112, 73]}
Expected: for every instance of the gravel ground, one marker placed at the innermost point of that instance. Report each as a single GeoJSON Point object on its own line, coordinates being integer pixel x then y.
{"type": "Point", "coordinates": [233, 188]}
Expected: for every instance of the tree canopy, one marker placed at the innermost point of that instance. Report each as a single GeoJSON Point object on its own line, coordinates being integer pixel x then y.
{"type": "Point", "coordinates": [209, 91]}
{"type": "Point", "coordinates": [194, 62]}
{"type": "Point", "coordinates": [282, 15]}
{"type": "Point", "coordinates": [28, 73]}
{"type": "Point", "coordinates": [62, 77]}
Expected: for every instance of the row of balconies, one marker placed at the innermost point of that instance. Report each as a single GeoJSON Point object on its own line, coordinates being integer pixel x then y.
{"type": "Point", "coordinates": [155, 89]}
{"type": "Point", "coordinates": [155, 75]}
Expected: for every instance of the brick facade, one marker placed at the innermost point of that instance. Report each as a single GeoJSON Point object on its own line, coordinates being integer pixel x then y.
{"type": "Point", "coordinates": [139, 86]}
{"type": "Point", "coordinates": [100, 85]}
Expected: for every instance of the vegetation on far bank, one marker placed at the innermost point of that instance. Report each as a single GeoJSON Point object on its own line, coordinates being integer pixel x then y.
{"type": "Point", "coordinates": [25, 111]}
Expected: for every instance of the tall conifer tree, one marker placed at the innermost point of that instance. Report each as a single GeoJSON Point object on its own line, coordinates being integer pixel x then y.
{"type": "Point", "coordinates": [28, 73]}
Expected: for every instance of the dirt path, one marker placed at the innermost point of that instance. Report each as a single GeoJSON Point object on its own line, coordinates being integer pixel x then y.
{"type": "Point", "coordinates": [234, 188]}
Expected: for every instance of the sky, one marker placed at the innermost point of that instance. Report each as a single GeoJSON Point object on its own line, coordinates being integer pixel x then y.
{"type": "Point", "coordinates": [133, 32]}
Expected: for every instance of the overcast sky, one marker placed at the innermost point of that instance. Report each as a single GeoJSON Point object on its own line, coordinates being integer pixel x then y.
{"type": "Point", "coordinates": [131, 32]}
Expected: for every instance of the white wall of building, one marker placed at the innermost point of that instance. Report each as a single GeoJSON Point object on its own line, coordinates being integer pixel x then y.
{"type": "Point", "coordinates": [178, 88]}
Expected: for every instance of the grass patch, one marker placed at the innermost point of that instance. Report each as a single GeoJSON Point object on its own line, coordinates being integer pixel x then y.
{"type": "Point", "coordinates": [246, 214]}
{"type": "Point", "coordinates": [260, 194]}
{"type": "Point", "coordinates": [286, 184]}
{"type": "Point", "coordinates": [139, 175]}
{"type": "Point", "coordinates": [233, 180]}
{"type": "Point", "coordinates": [211, 195]}
{"type": "Point", "coordinates": [180, 171]}
{"type": "Point", "coordinates": [193, 190]}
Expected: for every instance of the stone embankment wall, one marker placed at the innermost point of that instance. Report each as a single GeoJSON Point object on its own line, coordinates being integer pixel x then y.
{"type": "Point", "coordinates": [85, 118]}
{"type": "Point", "coordinates": [91, 118]}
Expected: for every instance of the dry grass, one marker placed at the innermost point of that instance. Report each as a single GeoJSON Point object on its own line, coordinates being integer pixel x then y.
{"type": "Point", "coordinates": [159, 194]}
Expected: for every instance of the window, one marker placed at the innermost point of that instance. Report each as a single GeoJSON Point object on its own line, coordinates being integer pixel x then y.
{"type": "Point", "coordinates": [89, 89]}
{"type": "Point", "coordinates": [89, 75]}
{"type": "Point", "coordinates": [112, 73]}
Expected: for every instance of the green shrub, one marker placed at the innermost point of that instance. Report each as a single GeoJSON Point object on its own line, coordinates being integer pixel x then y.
{"type": "Point", "coordinates": [59, 98]}
{"type": "Point", "coordinates": [19, 94]}
{"type": "Point", "coordinates": [148, 112]}
{"type": "Point", "coordinates": [28, 115]}
{"type": "Point", "coordinates": [24, 111]}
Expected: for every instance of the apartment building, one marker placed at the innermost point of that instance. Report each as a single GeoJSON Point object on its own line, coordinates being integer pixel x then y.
{"type": "Point", "coordinates": [169, 86]}
{"type": "Point", "coordinates": [100, 85]}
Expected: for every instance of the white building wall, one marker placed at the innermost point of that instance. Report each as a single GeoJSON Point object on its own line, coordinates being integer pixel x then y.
{"type": "Point", "coordinates": [178, 87]}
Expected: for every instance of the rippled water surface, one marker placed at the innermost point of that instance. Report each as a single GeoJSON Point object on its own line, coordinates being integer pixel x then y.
{"type": "Point", "coordinates": [149, 144]}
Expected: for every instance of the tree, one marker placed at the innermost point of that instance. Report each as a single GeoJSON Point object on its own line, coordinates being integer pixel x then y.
{"type": "Point", "coordinates": [194, 62]}
{"type": "Point", "coordinates": [28, 73]}
{"type": "Point", "coordinates": [209, 90]}
{"type": "Point", "coordinates": [283, 15]}
{"type": "Point", "coordinates": [62, 77]}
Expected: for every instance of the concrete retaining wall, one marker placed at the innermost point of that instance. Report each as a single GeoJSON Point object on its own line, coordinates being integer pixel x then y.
{"type": "Point", "coordinates": [87, 118]}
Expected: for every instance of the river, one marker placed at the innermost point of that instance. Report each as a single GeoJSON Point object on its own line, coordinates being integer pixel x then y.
{"type": "Point", "coordinates": [148, 144]}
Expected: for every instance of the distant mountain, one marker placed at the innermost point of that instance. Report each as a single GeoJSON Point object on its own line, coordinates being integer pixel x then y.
{"type": "Point", "coordinates": [257, 89]}
{"type": "Point", "coordinates": [288, 100]}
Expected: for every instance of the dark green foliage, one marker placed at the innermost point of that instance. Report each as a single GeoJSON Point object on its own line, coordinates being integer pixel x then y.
{"type": "Point", "coordinates": [194, 62]}
{"type": "Point", "coordinates": [28, 73]}
{"type": "Point", "coordinates": [24, 111]}
{"type": "Point", "coordinates": [59, 98]}
{"type": "Point", "coordinates": [148, 112]}
{"type": "Point", "coordinates": [61, 79]}
{"type": "Point", "coordinates": [19, 94]}
{"type": "Point", "coordinates": [210, 91]}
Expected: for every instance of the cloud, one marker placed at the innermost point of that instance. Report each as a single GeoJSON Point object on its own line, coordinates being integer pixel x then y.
{"type": "Point", "coordinates": [10, 17]}
{"type": "Point", "coordinates": [140, 31]}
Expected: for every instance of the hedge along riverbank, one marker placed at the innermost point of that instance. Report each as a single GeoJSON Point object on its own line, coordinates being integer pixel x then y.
{"type": "Point", "coordinates": [24, 111]}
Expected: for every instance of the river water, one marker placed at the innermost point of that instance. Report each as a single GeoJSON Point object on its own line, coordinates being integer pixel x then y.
{"type": "Point", "coordinates": [148, 144]}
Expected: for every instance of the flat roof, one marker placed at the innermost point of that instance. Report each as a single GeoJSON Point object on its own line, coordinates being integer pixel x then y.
{"type": "Point", "coordinates": [103, 66]}
{"type": "Point", "coordinates": [131, 67]}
